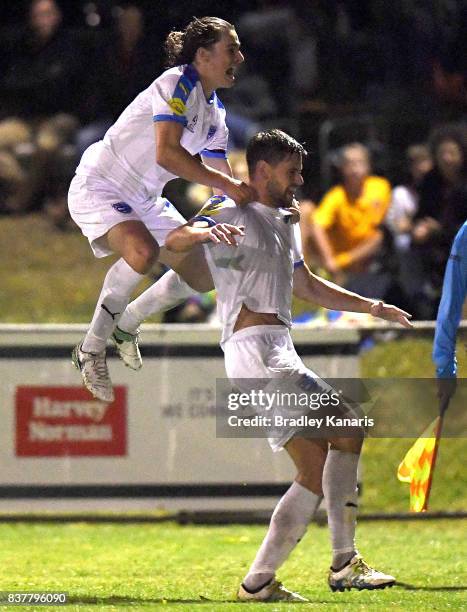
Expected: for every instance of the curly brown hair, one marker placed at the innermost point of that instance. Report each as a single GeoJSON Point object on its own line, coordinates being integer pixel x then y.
{"type": "Point", "coordinates": [181, 47]}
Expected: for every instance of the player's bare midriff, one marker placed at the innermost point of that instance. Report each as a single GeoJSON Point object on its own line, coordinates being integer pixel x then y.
{"type": "Point", "coordinates": [248, 318]}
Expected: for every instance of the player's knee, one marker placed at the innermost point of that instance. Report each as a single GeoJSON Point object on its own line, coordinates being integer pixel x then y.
{"type": "Point", "coordinates": [142, 256]}
{"type": "Point", "coordinates": [201, 284]}
{"type": "Point", "coordinates": [348, 445]}
{"type": "Point", "coordinates": [311, 480]}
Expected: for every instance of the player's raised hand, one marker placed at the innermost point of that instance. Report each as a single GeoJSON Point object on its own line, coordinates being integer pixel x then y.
{"type": "Point", "coordinates": [224, 233]}
{"type": "Point", "coordinates": [241, 193]}
{"type": "Point", "coordinates": [388, 312]}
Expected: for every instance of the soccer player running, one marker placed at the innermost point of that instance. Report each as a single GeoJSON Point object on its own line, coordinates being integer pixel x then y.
{"type": "Point", "coordinates": [448, 319]}
{"type": "Point", "coordinates": [115, 196]}
{"type": "Point", "coordinates": [254, 282]}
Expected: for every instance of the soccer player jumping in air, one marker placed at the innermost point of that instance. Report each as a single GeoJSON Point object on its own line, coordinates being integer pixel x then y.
{"type": "Point", "coordinates": [254, 283]}
{"type": "Point", "coordinates": [115, 196]}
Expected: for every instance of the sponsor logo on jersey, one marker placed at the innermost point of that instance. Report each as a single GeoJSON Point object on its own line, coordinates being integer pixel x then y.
{"type": "Point", "coordinates": [122, 207]}
{"type": "Point", "coordinates": [212, 130]}
{"type": "Point", "coordinates": [178, 106]}
{"type": "Point", "coordinates": [191, 126]}
{"type": "Point", "coordinates": [213, 206]}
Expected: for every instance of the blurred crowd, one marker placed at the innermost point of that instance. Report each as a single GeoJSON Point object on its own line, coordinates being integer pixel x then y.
{"type": "Point", "coordinates": [392, 243]}
{"type": "Point", "coordinates": [376, 91]}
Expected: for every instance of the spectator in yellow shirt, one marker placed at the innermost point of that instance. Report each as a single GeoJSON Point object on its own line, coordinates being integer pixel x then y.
{"type": "Point", "coordinates": [348, 225]}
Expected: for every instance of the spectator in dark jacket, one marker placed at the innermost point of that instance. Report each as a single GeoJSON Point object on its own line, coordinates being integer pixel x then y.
{"type": "Point", "coordinates": [41, 66]}
{"type": "Point", "coordinates": [123, 64]}
{"type": "Point", "coordinates": [442, 211]}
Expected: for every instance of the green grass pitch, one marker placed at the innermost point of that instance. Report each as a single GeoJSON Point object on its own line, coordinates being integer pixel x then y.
{"type": "Point", "coordinates": [159, 566]}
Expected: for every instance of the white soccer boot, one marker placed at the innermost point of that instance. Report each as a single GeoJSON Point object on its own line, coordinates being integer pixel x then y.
{"type": "Point", "coordinates": [94, 372]}
{"type": "Point", "coordinates": [127, 348]}
{"type": "Point", "coordinates": [273, 591]}
{"type": "Point", "coordinates": [358, 575]}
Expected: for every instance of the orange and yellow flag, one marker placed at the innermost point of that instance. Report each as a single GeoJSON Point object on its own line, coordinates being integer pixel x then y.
{"type": "Point", "coordinates": [416, 467]}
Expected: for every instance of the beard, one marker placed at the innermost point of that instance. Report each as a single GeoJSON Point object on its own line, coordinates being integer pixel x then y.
{"type": "Point", "coordinates": [281, 197]}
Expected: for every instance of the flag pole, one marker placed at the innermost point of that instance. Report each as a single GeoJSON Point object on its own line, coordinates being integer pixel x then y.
{"type": "Point", "coordinates": [443, 407]}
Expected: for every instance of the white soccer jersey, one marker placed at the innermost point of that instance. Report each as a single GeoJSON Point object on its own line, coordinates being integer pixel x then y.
{"type": "Point", "coordinates": [126, 155]}
{"type": "Point", "coordinates": [259, 271]}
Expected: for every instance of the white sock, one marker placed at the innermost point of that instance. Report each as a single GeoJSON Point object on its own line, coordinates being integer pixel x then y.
{"type": "Point", "coordinates": [340, 492]}
{"type": "Point", "coordinates": [119, 283]}
{"type": "Point", "coordinates": [166, 293]}
{"type": "Point", "coordinates": [288, 525]}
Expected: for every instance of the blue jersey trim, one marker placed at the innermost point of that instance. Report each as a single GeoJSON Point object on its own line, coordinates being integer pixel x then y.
{"type": "Point", "coordinates": [212, 98]}
{"type": "Point", "coordinates": [208, 220]}
{"type": "Point", "coordinates": [185, 84]}
{"type": "Point", "coordinates": [191, 74]}
{"type": "Point", "coordinates": [298, 264]}
{"type": "Point", "coordinates": [219, 153]}
{"type": "Point", "coordinates": [176, 118]}
{"type": "Point", "coordinates": [216, 199]}
{"type": "Point", "coordinates": [219, 103]}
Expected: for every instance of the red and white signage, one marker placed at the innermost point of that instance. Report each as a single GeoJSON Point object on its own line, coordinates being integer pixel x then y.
{"type": "Point", "coordinates": [58, 421]}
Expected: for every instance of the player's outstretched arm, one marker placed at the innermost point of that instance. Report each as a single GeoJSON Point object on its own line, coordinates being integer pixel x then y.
{"type": "Point", "coordinates": [175, 159]}
{"type": "Point", "coordinates": [388, 312]}
{"type": "Point", "coordinates": [311, 288]}
{"type": "Point", "coordinates": [448, 319]}
{"type": "Point", "coordinates": [185, 237]}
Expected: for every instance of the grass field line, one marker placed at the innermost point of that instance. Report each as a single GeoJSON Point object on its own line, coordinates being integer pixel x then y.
{"type": "Point", "coordinates": [218, 517]}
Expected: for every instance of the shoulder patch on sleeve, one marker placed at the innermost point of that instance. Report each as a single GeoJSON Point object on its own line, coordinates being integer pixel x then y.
{"type": "Point", "coordinates": [183, 89]}
{"type": "Point", "coordinates": [214, 205]}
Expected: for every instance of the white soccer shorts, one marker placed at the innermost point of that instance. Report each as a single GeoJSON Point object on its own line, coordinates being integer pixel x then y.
{"type": "Point", "coordinates": [262, 352]}
{"type": "Point", "coordinates": [96, 206]}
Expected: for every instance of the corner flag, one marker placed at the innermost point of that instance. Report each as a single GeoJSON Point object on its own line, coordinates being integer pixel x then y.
{"type": "Point", "coordinates": [418, 466]}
